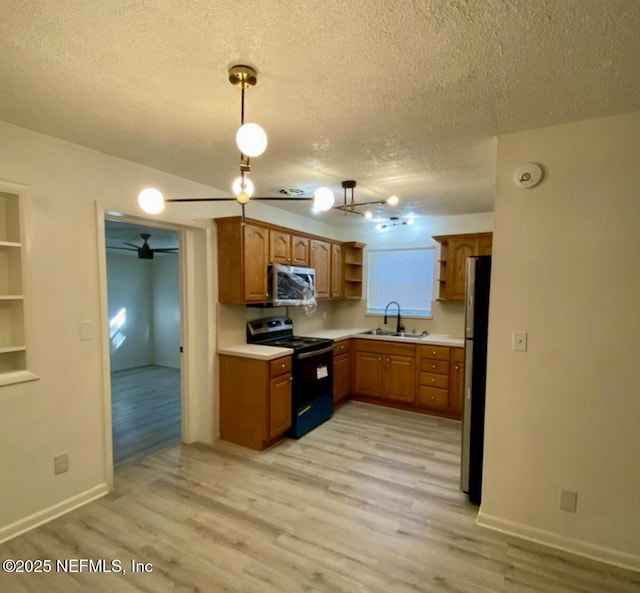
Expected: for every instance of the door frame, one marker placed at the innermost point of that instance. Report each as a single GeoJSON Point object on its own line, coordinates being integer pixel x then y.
{"type": "Point", "coordinates": [190, 381]}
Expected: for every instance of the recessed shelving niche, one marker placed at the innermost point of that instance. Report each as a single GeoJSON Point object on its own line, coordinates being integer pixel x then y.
{"type": "Point", "coordinates": [13, 349]}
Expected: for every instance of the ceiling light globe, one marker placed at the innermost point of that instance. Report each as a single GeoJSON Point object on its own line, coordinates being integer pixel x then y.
{"type": "Point", "coordinates": [323, 199]}
{"type": "Point", "coordinates": [251, 140]}
{"type": "Point", "coordinates": [368, 214]}
{"type": "Point", "coordinates": [242, 197]}
{"type": "Point", "coordinates": [151, 200]}
{"type": "Point", "coordinates": [411, 221]}
{"type": "Point", "coordinates": [237, 186]}
{"type": "Point", "coordinates": [379, 227]}
{"type": "Point", "coordinates": [393, 200]}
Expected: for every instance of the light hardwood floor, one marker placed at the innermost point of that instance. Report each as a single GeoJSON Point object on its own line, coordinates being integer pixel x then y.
{"type": "Point", "coordinates": [145, 411]}
{"type": "Point", "coordinates": [367, 502]}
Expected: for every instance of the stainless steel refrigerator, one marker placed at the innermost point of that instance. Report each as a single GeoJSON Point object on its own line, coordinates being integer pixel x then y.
{"type": "Point", "coordinates": [476, 323]}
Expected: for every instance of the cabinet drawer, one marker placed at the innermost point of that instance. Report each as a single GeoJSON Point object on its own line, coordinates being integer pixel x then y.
{"type": "Point", "coordinates": [432, 397]}
{"type": "Point", "coordinates": [341, 348]}
{"type": "Point", "coordinates": [431, 365]}
{"type": "Point", "coordinates": [432, 380]}
{"type": "Point", "coordinates": [279, 366]}
{"type": "Point", "coordinates": [438, 352]}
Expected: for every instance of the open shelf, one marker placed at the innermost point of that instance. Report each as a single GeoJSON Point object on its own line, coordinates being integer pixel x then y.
{"type": "Point", "coordinates": [13, 350]}
{"type": "Point", "coordinates": [353, 270]}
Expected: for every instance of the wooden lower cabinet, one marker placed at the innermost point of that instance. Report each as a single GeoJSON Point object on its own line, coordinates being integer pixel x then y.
{"type": "Point", "coordinates": [255, 400]}
{"type": "Point", "coordinates": [384, 371]}
{"type": "Point", "coordinates": [440, 376]}
{"type": "Point", "coordinates": [423, 378]}
{"type": "Point", "coordinates": [341, 370]}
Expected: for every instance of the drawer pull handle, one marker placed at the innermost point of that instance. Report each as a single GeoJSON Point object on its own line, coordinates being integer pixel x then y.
{"type": "Point", "coordinates": [304, 410]}
{"type": "Point", "coordinates": [433, 380]}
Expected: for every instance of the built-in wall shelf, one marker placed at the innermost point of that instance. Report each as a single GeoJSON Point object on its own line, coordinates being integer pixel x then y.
{"type": "Point", "coordinates": [353, 266]}
{"type": "Point", "coordinates": [13, 349]}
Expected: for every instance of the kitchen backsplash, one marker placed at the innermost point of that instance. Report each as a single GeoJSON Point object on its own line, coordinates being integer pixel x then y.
{"type": "Point", "coordinates": [448, 318]}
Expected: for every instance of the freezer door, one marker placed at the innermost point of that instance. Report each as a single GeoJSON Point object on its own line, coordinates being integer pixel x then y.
{"type": "Point", "coordinates": [469, 297]}
{"type": "Point", "coordinates": [466, 417]}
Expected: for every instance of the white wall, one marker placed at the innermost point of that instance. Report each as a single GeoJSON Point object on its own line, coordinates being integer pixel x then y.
{"type": "Point", "coordinates": [566, 269]}
{"type": "Point", "coordinates": [130, 297]}
{"type": "Point", "coordinates": [165, 286]}
{"type": "Point", "coordinates": [64, 410]}
{"type": "Point", "coordinates": [448, 318]}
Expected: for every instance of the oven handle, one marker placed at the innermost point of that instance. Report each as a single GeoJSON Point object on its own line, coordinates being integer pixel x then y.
{"type": "Point", "coordinates": [315, 352]}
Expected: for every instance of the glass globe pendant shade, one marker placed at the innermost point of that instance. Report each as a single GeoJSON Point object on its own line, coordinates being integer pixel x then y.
{"type": "Point", "coordinates": [238, 187]}
{"type": "Point", "coordinates": [242, 197]}
{"type": "Point", "coordinates": [323, 199]}
{"type": "Point", "coordinates": [151, 200]}
{"type": "Point", "coordinates": [251, 139]}
{"type": "Point", "coordinates": [368, 214]}
{"type": "Point", "coordinates": [393, 200]}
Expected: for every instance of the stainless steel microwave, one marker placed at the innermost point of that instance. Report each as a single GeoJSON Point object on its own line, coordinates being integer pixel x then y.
{"type": "Point", "coordinates": [291, 285]}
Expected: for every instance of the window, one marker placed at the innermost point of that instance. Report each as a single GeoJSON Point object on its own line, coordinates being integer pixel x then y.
{"type": "Point", "coordinates": [402, 275]}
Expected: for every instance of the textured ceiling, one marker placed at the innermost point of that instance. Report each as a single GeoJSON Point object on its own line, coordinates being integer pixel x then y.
{"type": "Point", "coordinates": [405, 97]}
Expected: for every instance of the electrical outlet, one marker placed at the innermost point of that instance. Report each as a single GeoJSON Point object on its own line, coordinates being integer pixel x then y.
{"type": "Point", "coordinates": [61, 463]}
{"type": "Point", "coordinates": [519, 341]}
{"type": "Point", "coordinates": [568, 501]}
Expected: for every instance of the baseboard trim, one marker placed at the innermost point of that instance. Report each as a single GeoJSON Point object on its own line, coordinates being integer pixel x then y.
{"type": "Point", "coordinates": [553, 540]}
{"type": "Point", "coordinates": [52, 512]}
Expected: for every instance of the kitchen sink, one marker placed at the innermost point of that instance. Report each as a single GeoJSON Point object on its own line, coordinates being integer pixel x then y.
{"type": "Point", "coordinates": [408, 335]}
{"type": "Point", "coordinates": [379, 332]}
{"type": "Point", "coordinates": [392, 334]}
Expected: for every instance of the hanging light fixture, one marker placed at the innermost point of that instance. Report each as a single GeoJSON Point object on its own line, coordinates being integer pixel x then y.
{"type": "Point", "coordinates": [349, 205]}
{"type": "Point", "coordinates": [395, 221]}
{"type": "Point", "coordinates": [251, 139]}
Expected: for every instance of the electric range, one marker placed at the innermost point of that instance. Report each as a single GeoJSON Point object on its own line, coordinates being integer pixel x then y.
{"type": "Point", "coordinates": [311, 370]}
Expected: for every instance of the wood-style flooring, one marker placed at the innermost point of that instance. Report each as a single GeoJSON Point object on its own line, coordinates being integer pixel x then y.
{"type": "Point", "coordinates": [368, 502]}
{"type": "Point", "coordinates": [145, 411]}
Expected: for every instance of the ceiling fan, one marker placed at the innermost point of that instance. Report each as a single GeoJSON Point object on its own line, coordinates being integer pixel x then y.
{"type": "Point", "coordinates": [144, 251]}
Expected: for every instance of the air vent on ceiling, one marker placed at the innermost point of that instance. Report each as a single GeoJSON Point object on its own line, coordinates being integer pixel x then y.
{"type": "Point", "coordinates": [291, 191]}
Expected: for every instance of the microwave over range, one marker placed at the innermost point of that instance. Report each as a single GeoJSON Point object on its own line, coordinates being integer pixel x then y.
{"type": "Point", "coordinates": [291, 285]}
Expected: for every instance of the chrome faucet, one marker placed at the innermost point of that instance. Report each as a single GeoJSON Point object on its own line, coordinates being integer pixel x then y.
{"type": "Point", "coordinates": [399, 327]}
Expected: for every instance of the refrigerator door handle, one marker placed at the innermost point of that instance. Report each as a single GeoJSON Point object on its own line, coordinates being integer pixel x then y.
{"type": "Point", "coordinates": [465, 465]}
{"type": "Point", "coordinates": [470, 287]}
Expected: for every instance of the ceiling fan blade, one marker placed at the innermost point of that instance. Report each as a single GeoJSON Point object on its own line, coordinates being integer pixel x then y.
{"type": "Point", "coordinates": [125, 248]}
{"type": "Point", "coordinates": [166, 250]}
{"type": "Point", "coordinates": [131, 245]}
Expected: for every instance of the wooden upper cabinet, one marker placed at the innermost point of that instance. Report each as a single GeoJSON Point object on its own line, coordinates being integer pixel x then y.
{"type": "Point", "coordinates": [321, 260]}
{"type": "Point", "coordinates": [337, 272]}
{"type": "Point", "coordinates": [299, 251]}
{"type": "Point", "coordinates": [256, 257]}
{"type": "Point", "coordinates": [279, 247]}
{"type": "Point", "coordinates": [288, 249]}
{"type": "Point", "coordinates": [246, 249]}
{"type": "Point", "coordinates": [459, 251]}
{"type": "Point", "coordinates": [454, 251]}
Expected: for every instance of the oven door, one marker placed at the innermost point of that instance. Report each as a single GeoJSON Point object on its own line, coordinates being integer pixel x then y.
{"type": "Point", "coordinates": [312, 376]}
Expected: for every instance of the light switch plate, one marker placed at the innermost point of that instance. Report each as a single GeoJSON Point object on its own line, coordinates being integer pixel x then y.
{"type": "Point", "coordinates": [86, 330]}
{"type": "Point", "coordinates": [519, 341]}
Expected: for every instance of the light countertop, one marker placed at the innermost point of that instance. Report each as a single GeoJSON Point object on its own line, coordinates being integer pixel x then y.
{"type": "Point", "coordinates": [255, 351]}
{"type": "Point", "coordinates": [261, 352]}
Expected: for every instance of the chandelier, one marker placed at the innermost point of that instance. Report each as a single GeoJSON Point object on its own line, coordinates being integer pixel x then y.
{"type": "Point", "coordinates": [251, 140]}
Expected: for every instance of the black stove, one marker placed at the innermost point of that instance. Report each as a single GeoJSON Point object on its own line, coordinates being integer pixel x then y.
{"type": "Point", "coordinates": [311, 370]}
{"type": "Point", "coordinates": [278, 331]}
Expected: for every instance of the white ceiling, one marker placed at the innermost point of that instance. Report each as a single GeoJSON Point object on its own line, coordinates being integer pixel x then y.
{"type": "Point", "coordinates": [404, 97]}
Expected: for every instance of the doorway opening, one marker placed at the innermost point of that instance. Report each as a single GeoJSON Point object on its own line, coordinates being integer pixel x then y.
{"type": "Point", "coordinates": [144, 321]}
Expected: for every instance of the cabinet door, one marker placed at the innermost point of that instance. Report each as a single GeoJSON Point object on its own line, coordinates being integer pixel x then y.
{"type": "Point", "coordinates": [321, 261]}
{"type": "Point", "coordinates": [456, 380]}
{"type": "Point", "coordinates": [459, 251]}
{"type": "Point", "coordinates": [485, 245]}
{"type": "Point", "coordinates": [368, 374]}
{"type": "Point", "coordinates": [279, 405]}
{"type": "Point", "coordinates": [299, 251]}
{"type": "Point", "coordinates": [341, 372]}
{"type": "Point", "coordinates": [337, 289]}
{"type": "Point", "coordinates": [400, 378]}
{"type": "Point", "coordinates": [256, 253]}
{"type": "Point", "coordinates": [279, 247]}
